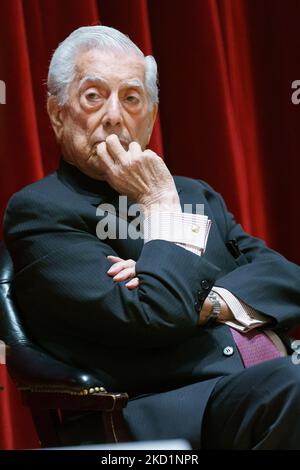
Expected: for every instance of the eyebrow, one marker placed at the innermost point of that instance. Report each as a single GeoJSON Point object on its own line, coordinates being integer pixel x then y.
{"type": "Point", "coordinates": [93, 78]}
{"type": "Point", "coordinates": [98, 79]}
{"type": "Point", "coordinates": [134, 84]}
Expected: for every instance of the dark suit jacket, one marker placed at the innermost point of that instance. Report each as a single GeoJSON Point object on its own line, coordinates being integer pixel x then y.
{"type": "Point", "coordinates": [143, 341]}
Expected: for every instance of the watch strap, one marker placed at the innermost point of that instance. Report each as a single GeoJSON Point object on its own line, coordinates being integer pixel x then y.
{"type": "Point", "coordinates": [214, 298]}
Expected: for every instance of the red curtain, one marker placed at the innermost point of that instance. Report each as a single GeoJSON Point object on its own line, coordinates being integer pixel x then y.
{"type": "Point", "coordinates": [226, 69]}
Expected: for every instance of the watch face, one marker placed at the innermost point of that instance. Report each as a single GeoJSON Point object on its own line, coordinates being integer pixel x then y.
{"type": "Point", "coordinates": [216, 304]}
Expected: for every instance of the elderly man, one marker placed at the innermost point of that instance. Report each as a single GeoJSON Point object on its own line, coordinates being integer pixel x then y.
{"type": "Point", "coordinates": [191, 317]}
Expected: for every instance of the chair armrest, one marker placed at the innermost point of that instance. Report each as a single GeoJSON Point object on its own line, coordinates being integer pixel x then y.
{"type": "Point", "coordinates": [33, 369]}
{"type": "Point", "coordinates": [45, 408]}
{"type": "Point", "coordinates": [108, 402]}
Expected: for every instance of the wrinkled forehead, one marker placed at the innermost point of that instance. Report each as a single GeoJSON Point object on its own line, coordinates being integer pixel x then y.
{"type": "Point", "coordinates": [111, 65]}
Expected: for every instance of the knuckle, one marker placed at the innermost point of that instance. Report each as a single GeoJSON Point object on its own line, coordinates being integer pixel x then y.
{"type": "Point", "coordinates": [111, 138]}
{"type": "Point", "coordinates": [150, 153]}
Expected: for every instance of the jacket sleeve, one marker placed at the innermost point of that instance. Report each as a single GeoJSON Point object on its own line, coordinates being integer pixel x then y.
{"type": "Point", "coordinates": [61, 280]}
{"type": "Point", "coordinates": [264, 279]}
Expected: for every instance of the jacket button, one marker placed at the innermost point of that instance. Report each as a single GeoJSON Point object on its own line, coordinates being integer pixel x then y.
{"type": "Point", "coordinates": [205, 284]}
{"type": "Point", "coordinates": [228, 351]}
{"type": "Point", "coordinates": [197, 306]}
{"type": "Point", "coordinates": [201, 295]}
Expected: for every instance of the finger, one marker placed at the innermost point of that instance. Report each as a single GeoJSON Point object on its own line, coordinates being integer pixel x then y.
{"type": "Point", "coordinates": [115, 268]}
{"type": "Point", "coordinates": [101, 160]}
{"type": "Point", "coordinates": [115, 148]}
{"type": "Point", "coordinates": [119, 265]}
{"type": "Point", "coordinates": [135, 149]}
{"type": "Point", "coordinates": [124, 274]}
{"type": "Point", "coordinates": [114, 259]}
{"type": "Point", "coordinates": [133, 283]}
{"type": "Point", "coordinates": [150, 153]}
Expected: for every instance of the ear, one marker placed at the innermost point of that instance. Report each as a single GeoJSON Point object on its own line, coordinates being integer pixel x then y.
{"type": "Point", "coordinates": [56, 116]}
{"type": "Point", "coordinates": [152, 120]}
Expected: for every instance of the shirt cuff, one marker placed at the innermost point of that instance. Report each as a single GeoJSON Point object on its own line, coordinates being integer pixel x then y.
{"type": "Point", "coordinates": [246, 317]}
{"type": "Point", "coordinates": [193, 249]}
{"type": "Point", "coordinates": [187, 230]}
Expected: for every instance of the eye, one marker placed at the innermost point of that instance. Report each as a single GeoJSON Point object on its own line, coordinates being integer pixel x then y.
{"type": "Point", "coordinates": [132, 99]}
{"type": "Point", "coordinates": [92, 96]}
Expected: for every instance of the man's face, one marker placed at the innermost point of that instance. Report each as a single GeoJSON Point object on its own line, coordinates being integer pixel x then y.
{"type": "Point", "coordinates": [107, 96]}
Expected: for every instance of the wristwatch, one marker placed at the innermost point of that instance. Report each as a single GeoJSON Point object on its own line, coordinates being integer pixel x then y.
{"type": "Point", "coordinates": [214, 298]}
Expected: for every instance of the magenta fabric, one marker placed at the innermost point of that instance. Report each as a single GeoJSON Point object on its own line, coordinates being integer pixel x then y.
{"type": "Point", "coordinates": [255, 347]}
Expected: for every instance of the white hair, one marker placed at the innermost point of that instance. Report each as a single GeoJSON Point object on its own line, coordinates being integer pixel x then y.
{"type": "Point", "coordinates": [62, 66]}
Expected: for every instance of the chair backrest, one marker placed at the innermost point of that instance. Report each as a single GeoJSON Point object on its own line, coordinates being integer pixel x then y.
{"type": "Point", "coordinates": [30, 366]}
{"type": "Point", "coordinates": [11, 329]}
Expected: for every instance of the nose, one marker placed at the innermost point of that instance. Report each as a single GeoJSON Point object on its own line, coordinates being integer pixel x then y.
{"type": "Point", "coordinates": [112, 118]}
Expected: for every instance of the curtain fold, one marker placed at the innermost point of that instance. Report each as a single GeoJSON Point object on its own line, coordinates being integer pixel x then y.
{"type": "Point", "coordinates": [235, 63]}
{"type": "Point", "coordinates": [225, 71]}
